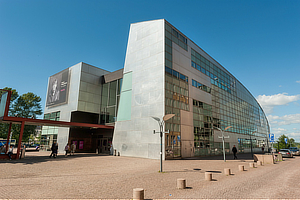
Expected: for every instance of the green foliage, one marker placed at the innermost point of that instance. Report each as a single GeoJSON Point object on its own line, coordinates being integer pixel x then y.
{"type": "Point", "coordinates": [281, 143]}
{"type": "Point", "coordinates": [27, 106]}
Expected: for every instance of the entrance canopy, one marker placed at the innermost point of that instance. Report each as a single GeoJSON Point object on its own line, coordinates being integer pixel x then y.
{"type": "Point", "coordinates": [5, 96]}
{"type": "Point", "coordinates": [42, 122]}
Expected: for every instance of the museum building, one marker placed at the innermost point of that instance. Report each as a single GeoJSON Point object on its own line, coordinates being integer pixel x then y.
{"type": "Point", "coordinates": [164, 73]}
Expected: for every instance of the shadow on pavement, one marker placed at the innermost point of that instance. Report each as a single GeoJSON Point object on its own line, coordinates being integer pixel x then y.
{"type": "Point", "coordinates": [214, 172]}
{"type": "Point", "coordinates": [33, 159]}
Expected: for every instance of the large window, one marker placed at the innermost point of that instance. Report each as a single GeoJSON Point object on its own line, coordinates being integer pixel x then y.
{"type": "Point", "coordinates": [176, 98]}
{"type": "Point", "coordinates": [110, 101]}
{"type": "Point", "coordinates": [49, 133]}
{"type": "Point", "coordinates": [232, 104]}
{"type": "Point", "coordinates": [201, 86]}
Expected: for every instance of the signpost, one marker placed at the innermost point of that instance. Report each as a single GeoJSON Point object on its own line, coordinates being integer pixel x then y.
{"type": "Point", "coordinates": [272, 140]}
{"type": "Point", "coordinates": [223, 139]}
{"type": "Point", "coordinates": [285, 140]}
{"type": "Point", "coordinates": [161, 124]}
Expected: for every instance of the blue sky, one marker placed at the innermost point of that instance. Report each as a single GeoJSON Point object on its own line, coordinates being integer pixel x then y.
{"type": "Point", "coordinates": [257, 41]}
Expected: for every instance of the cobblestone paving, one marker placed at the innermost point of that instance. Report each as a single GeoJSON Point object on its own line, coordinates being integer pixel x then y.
{"type": "Point", "coordinates": [91, 176]}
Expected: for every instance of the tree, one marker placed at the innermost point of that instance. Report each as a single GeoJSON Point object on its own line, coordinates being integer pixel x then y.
{"type": "Point", "coordinates": [27, 106]}
{"type": "Point", "coordinates": [281, 142]}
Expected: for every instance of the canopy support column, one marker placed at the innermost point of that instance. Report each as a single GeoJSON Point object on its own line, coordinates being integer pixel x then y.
{"type": "Point", "coordinates": [20, 139]}
{"type": "Point", "coordinates": [8, 136]}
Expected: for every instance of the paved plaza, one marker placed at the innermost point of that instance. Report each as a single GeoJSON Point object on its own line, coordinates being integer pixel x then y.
{"type": "Point", "coordinates": [92, 176]}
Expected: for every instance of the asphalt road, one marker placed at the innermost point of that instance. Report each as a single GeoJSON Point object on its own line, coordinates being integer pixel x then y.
{"type": "Point", "coordinates": [91, 176]}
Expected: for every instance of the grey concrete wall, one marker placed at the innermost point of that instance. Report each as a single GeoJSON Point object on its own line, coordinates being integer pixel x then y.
{"type": "Point", "coordinates": [84, 95]}
{"type": "Point", "coordinates": [66, 109]}
{"type": "Point", "coordinates": [89, 98]}
{"type": "Point", "coordinates": [145, 60]}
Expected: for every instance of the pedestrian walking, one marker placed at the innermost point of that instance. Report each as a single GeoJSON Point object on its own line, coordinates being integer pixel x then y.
{"type": "Point", "coordinates": [54, 149]}
{"type": "Point", "coordinates": [10, 151]}
{"type": "Point", "coordinates": [67, 149]}
{"type": "Point", "coordinates": [73, 148]}
{"type": "Point", "coordinates": [234, 150]}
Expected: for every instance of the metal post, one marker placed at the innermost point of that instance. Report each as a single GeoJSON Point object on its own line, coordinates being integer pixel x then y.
{"type": "Point", "coordinates": [223, 139]}
{"type": "Point", "coordinates": [161, 124]}
{"type": "Point", "coordinates": [20, 139]}
{"type": "Point", "coordinates": [251, 146]}
{"type": "Point", "coordinates": [223, 146]}
{"type": "Point", "coordinates": [161, 127]}
{"type": "Point", "coordinates": [8, 138]}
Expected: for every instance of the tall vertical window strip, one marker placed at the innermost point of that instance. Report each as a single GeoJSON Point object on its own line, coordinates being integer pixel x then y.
{"type": "Point", "coordinates": [176, 37]}
{"type": "Point", "coordinates": [176, 99]}
{"type": "Point", "coordinates": [168, 53]}
{"type": "Point", "coordinates": [176, 93]}
{"type": "Point", "coordinates": [110, 101]}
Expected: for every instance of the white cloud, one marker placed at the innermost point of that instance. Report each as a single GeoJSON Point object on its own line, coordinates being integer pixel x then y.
{"type": "Point", "coordinates": [279, 131]}
{"type": "Point", "coordinates": [297, 81]}
{"type": "Point", "coordinates": [295, 135]}
{"type": "Point", "coordinates": [269, 102]}
{"type": "Point", "coordinates": [284, 120]}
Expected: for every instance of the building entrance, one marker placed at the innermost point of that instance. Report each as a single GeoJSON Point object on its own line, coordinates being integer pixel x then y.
{"type": "Point", "coordinates": [104, 145]}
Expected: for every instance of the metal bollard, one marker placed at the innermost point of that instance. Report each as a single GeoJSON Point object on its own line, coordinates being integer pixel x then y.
{"type": "Point", "coordinates": [138, 194]}
{"type": "Point", "coordinates": [208, 176]}
{"type": "Point", "coordinates": [227, 171]}
{"type": "Point", "coordinates": [241, 168]}
{"type": "Point", "coordinates": [181, 184]}
{"type": "Point", "coordinates": [118, 153]}
{"type": "Point", "coordinates": [251, 165]}
{"type": "Point", "coordinates": [115, 152]}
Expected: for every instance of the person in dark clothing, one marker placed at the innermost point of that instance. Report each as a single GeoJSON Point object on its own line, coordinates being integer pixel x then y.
{"type": "Point", "coordinates": [54, 149]}
{"type": "Point", "coordinates": [234, 150]}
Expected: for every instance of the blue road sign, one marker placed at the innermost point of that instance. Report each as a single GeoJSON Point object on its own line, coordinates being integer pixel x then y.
{"type": "Point", "coordinates": [272, 138]}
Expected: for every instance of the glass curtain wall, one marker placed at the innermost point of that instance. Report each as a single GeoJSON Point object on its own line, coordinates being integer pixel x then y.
{"type": "Point", "coordinates": [110, 101]}
{"type": "Point", "coordinates": [49, 133]}
{"type": "Point", "coordinates": [176, 93]}
{"type": "Point", "coordinates": [232, 105]}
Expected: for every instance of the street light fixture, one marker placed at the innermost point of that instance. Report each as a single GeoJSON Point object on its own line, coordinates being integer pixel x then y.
{"type": "Point", "coordinates": [223, 139]}
{"type": "Point", "coordinates": [161, 124]}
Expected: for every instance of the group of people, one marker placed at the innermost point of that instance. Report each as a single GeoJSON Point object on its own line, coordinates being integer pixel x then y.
{"type": "Point", "coordinates": [54, 149]}
{"type": "Point", "coordinates": [9, 152]}
{"type": "Point", "coordinates": [68, 149]}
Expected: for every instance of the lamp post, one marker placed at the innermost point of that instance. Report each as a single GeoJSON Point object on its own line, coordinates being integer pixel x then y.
{"type": "Point", "coordinates": [161, 124]}
{"type": "Point", "coordinates": [223, 139]}
{"type": "Point", "coordinates": [251, 143]}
